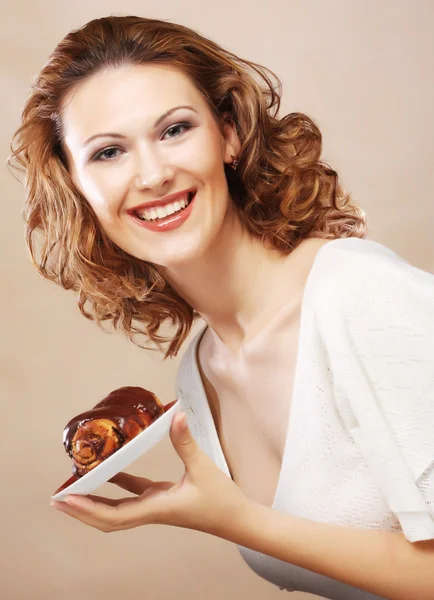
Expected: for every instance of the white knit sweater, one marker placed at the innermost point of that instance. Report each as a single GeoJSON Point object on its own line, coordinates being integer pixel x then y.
{"type": "Point", "coordinates": [360, 445]}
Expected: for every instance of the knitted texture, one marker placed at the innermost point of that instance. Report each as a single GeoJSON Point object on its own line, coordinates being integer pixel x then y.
{"type": "Point", "coordinates": [360, 445]}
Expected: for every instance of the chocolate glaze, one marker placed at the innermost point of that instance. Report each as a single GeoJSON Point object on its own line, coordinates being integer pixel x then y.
{"type": "Point", "coordinates": [119, 405]}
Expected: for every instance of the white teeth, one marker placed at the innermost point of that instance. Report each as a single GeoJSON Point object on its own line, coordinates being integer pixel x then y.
{"type": "Point", "coordinates": [160, 212]}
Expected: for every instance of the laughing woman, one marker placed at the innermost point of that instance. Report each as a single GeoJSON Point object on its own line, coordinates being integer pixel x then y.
{"type": "Point", "coordinates": [164, 187]}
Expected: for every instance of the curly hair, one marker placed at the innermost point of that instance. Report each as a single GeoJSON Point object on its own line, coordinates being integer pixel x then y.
{"type": "Point", "coordinates": [282, 191]}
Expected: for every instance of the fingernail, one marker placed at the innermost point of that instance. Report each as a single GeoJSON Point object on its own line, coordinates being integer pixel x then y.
{"type": "Point", "coordinates": [183, 420]}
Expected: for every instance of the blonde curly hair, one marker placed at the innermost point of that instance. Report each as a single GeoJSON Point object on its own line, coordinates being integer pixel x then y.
{"type": "Point", "coordinates": [282, 191]}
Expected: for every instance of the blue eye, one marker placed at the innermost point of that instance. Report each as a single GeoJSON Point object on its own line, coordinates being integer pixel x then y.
{"type": "Point", "coordinates": [184, 126]}
{"type": "Point", "coordinates": [102, 154]}
{"type": "Point", "coordinates": [98, 155]}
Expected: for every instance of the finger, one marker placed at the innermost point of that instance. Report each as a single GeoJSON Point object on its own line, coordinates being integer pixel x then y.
{"type": "Point", "coordinates": [126, 514]}
{"type": "Point", "coordinates": [131, 483]}
{"type": "Point", "coordinates": [109, 501]}
{"type": "Point", "coordinates": [82, 516]}
{"type": "Point", "coordinates": [185, 445]}
{"type": "Point", "coordinates": [105, 515]}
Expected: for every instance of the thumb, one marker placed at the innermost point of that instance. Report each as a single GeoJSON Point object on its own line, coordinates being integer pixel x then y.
{"type": "Point", "coordinates": [183, 442]}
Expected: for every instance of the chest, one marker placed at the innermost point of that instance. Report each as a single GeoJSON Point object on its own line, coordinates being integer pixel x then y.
{"type": "Point", "coordinates": [250, 400]}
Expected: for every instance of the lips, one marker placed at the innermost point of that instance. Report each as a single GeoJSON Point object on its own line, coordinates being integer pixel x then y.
{"type": "Point", "coordinates": [163, 202]}
{"type": "Point", "coordinates": [168, 223]}
{"type": "Point", "coordinates": [166, 210]}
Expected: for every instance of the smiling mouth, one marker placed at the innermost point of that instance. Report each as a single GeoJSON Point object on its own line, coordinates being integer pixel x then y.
{"type": "Point", "coordinates": [161, 213]}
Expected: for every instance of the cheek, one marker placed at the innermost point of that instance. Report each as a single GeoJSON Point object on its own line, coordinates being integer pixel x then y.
{"type": "Point", "coordinates": [101, 198]}
{"type": "Point", "coordinates": [204, 156]}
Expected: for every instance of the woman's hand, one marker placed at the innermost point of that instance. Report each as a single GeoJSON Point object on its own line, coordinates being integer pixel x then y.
{"type": "Point", "coordinates": [204, 499]}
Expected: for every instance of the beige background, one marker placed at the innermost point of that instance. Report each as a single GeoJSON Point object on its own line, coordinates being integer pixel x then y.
{"type": "Point", "coordinates": [363, 71]}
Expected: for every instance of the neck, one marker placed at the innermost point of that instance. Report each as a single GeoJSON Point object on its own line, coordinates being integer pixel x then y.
{"type": "Point", "coordinates": [239, 284]}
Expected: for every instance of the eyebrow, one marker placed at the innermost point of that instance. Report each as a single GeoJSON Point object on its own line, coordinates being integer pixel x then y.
{"type": "Point", "coordinates": [157, 122]}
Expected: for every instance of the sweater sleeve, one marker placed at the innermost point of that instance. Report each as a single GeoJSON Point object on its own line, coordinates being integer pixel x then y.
{"type": "Point", "coordinates": [377, 322]}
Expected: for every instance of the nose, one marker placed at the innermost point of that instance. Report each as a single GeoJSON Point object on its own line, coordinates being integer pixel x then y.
{"type": "Point", "coordinates": [153, 172]}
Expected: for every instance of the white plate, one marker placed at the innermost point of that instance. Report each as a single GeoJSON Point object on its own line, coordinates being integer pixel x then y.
{"type": "Point", "coordinates": [123, 457]}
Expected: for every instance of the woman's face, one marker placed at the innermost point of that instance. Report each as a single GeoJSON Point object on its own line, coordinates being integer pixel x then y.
{"type": "Point", "coordinates": [155, 136]}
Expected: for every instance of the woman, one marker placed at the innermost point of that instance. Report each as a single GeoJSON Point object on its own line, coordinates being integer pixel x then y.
{"type": "Point", "coordinates": [166, 188]}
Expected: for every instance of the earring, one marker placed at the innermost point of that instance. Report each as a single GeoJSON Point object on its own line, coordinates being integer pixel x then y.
{"type": "Point", "coordinates": [234, 163]}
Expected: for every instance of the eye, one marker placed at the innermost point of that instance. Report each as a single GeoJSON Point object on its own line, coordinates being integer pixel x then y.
{"type": "Point", "coordinates": [101, 153]}
{"type": "Point", "coordinates": [173, 128]}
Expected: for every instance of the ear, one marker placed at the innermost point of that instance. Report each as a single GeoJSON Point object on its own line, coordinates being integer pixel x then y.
{"type": "Point", "coordinates": [230, 140]}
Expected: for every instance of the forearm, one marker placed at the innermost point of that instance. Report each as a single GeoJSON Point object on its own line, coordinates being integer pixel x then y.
{"type": "Point", "coordinates": [380, 562]}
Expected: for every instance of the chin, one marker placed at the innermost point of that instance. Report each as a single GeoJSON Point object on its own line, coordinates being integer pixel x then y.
{"type": "Point", "coordinates": [182, 260]}
{"type": "Point", "coordinates": [190, 247]}
{"type": "Point", "coordinates": [179, 250]}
